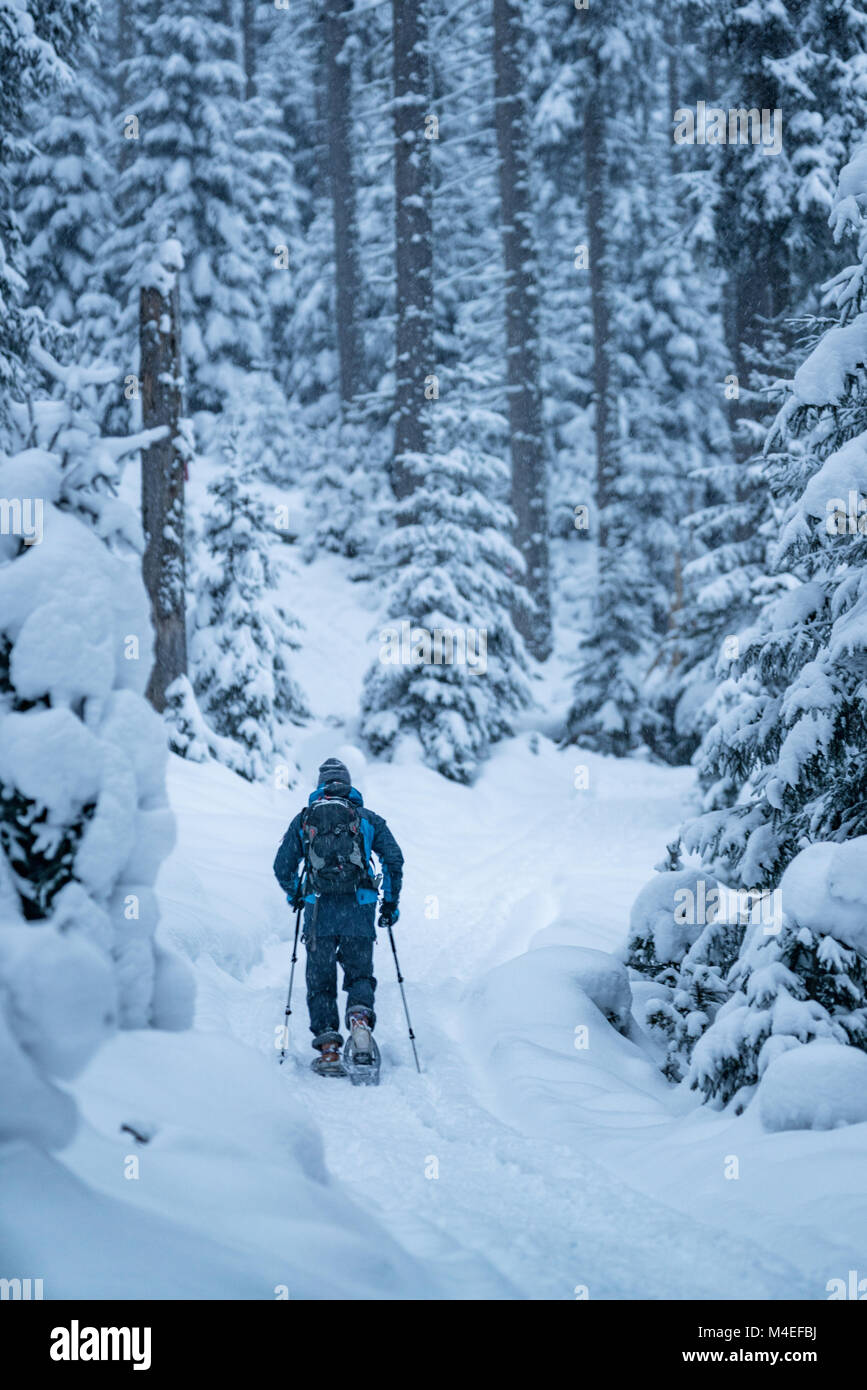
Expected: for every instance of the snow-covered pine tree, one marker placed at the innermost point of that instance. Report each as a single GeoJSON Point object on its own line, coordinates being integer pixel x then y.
{"type": "Point", "coordinates": [84, 821]}
{"type": "Point", "coordinates": [339, 452]}
{"type": "Point", "coordinates": [456, 574]}
{"type": "Point", "coordinates": [290, 75]}
{"type": "Point", "coordinates": [65, 210]}
{"type": "Point", "coordinates": [694, 997]}
{"type": "Point", "coordinates": [186, 174]}
{"type": "Point", "coordinates": [797, 58]}
{"type": "Point", "coordinates": [37, 42]}
{"type": "Point", "coordinates": [453, 594]}
{"type": "Point", "coordinates": [808, 61]}
{"type": "Point", "coordinates": [678, 439]}
{"type": "Point", "coordinates": [469, 318]}
{"type": "Point", "coordinates": [566, 333]}
{"type": "Point", "coordinates": [682, 941]}
{"type": "Point", "coordinates": [266, 148]}
{"type": "Point", "coordinates": [789, 986]}
{"type": "Point", "coordinates": [275, 223]}
{"type": "Point", "coordinates": [242, 635]}
{"type": "Point", "coordinates": [648, 426]}
{"type": "Point", "coordinates": [792, 738]}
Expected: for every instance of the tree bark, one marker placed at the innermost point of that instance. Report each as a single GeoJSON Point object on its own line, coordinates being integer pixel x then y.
{"type": "Point", "coordinates": [414, 338]}
{"type": "Point", "coordinates": [338, 82]}
{"type": "Point", "coordinates": [759, 284]}
{"type": "Point", "coordinates": [162, 483]}
{"type": "Point", "coordinates": [604, 406]}
{"type": "Point", "coordinates": [526, 434]}
{"type": "Point", "coordinates": [248, 44]}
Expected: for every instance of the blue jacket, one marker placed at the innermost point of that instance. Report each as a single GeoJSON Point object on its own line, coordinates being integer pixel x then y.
{"type": "Point", "coordinates": [347, 914]}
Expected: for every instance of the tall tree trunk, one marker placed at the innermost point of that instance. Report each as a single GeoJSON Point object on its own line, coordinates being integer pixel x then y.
{"type": "Point", "coordinates": [414, 345]}
{"type": "Point", "coordinates": [338, 83]}
{"type": "Point", "coordinates": [604, 405]}
{"type": "Point", "coordinates": [162, 483]}
{"type": "Point", "coordinates": [248, 44]}
{"type": "Point", "coordinates": [759, 285]}
{"type": "Point", "coordinates": [529, 473]}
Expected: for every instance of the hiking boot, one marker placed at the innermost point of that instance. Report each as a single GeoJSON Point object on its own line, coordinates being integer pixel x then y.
{"type": "Point", "coordinates": [329, 1062]}
{"type": "Point", "coordinates": [361, 1024]}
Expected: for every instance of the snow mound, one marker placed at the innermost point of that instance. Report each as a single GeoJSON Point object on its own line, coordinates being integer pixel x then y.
{"type": "Point", "coordinates": [670, 914]}
{"type": "Point", "coordinates": [60, 1003]}
{"type": "Point", "coordinates": [825, 888]}
{"type": "Point", "coordinates": [819, 1086]}
{"type": "Point", "coordinates": [540, 1035]}
{"type": "Point", "coordinates": [602, 977]}
{"type": "Point", "coordinates": [229, 1196]}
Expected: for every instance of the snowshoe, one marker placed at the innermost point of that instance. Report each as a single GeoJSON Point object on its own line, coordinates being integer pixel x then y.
{"type": "Point", "coordinates": [329, 1062]}
{"type": "Point", "coordinates": [361, 1055]}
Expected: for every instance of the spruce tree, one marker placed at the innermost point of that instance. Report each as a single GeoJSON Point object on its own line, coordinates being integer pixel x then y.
{"type": "Point", "coordinates": [37, 41]}
{"type": "Point", "coordinates": [454, 568]}
{"type": "Point", "coordinates": [66, 211]}
{"type": "Point", "coordinates": [186, 175]}
{"type": "Point", "coordinates": [783, 990]}
{"type": "Point", "coordinates": [648, 426]}
{"type": "Point", "coordinates": [801, 59]}
{"type": "Point", "coordinates": [242, 635]}
{"type": "Point", "coordinates": [791, 739]}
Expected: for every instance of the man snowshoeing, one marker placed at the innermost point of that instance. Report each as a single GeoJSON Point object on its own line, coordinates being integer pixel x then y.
{"type": "Point", "coordinates": [324, 862]}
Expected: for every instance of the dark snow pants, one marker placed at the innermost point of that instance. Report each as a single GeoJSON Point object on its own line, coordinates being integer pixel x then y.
{"type": "Point", "coordinates": [355, 955]}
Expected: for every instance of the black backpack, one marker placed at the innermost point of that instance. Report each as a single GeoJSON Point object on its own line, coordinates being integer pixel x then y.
{"type": "Point", "coordinates": [334, 846]}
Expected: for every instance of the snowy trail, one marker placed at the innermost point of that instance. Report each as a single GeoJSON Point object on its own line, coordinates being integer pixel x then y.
{"type": "Point", "coordinates": [556, 1170]}
{"type": "Point", "coordinates": [509, 1214]}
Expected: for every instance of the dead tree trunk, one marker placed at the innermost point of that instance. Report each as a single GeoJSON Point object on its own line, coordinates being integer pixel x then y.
{"type": "Point", "coordinates": [338, 82]}
{"type": "Point", "coordinates": [414, 350]}
{"type": "Point", "coordinates": [162, 482]}
{"type": "Point", "coordinates": [527, 445]}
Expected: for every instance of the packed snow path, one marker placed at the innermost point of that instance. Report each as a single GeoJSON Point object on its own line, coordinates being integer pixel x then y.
{"type": "Point", "coordinates": [516, 1165]}
{"type": "Point", "coordinates": [511, 1167]}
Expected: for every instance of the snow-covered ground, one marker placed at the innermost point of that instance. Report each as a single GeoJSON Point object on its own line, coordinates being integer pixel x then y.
{"type": "Point", "coordinates": [529, 1160]}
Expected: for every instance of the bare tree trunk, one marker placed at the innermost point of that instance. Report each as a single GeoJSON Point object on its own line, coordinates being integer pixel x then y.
{"type": "Point", "coordinates": [529, 472]}
{"type": "Point", "coordinates": [248, 44]}
{"type": "Point", "coordinates": [604, 406]}
{"type": "Point", "coordinates": [759, 287]}
{"type": "Point", "coordinates": [414, 349]}
{"type": "Point", "coordinates": [162, 483]}
{"type": "Point", "coordinates": [338, 82]}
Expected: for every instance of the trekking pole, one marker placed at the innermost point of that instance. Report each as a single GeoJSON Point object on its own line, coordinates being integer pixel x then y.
{"type": "Point", "coordinates": [403, 997]}
{"type": "Point", "coordinates": [291, 980]}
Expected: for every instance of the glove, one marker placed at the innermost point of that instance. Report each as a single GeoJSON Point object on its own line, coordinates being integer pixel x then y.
{"type": "Point", "coordinates": [295, 899]}
{"type": "Point", "coordinates": [388, 914]}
